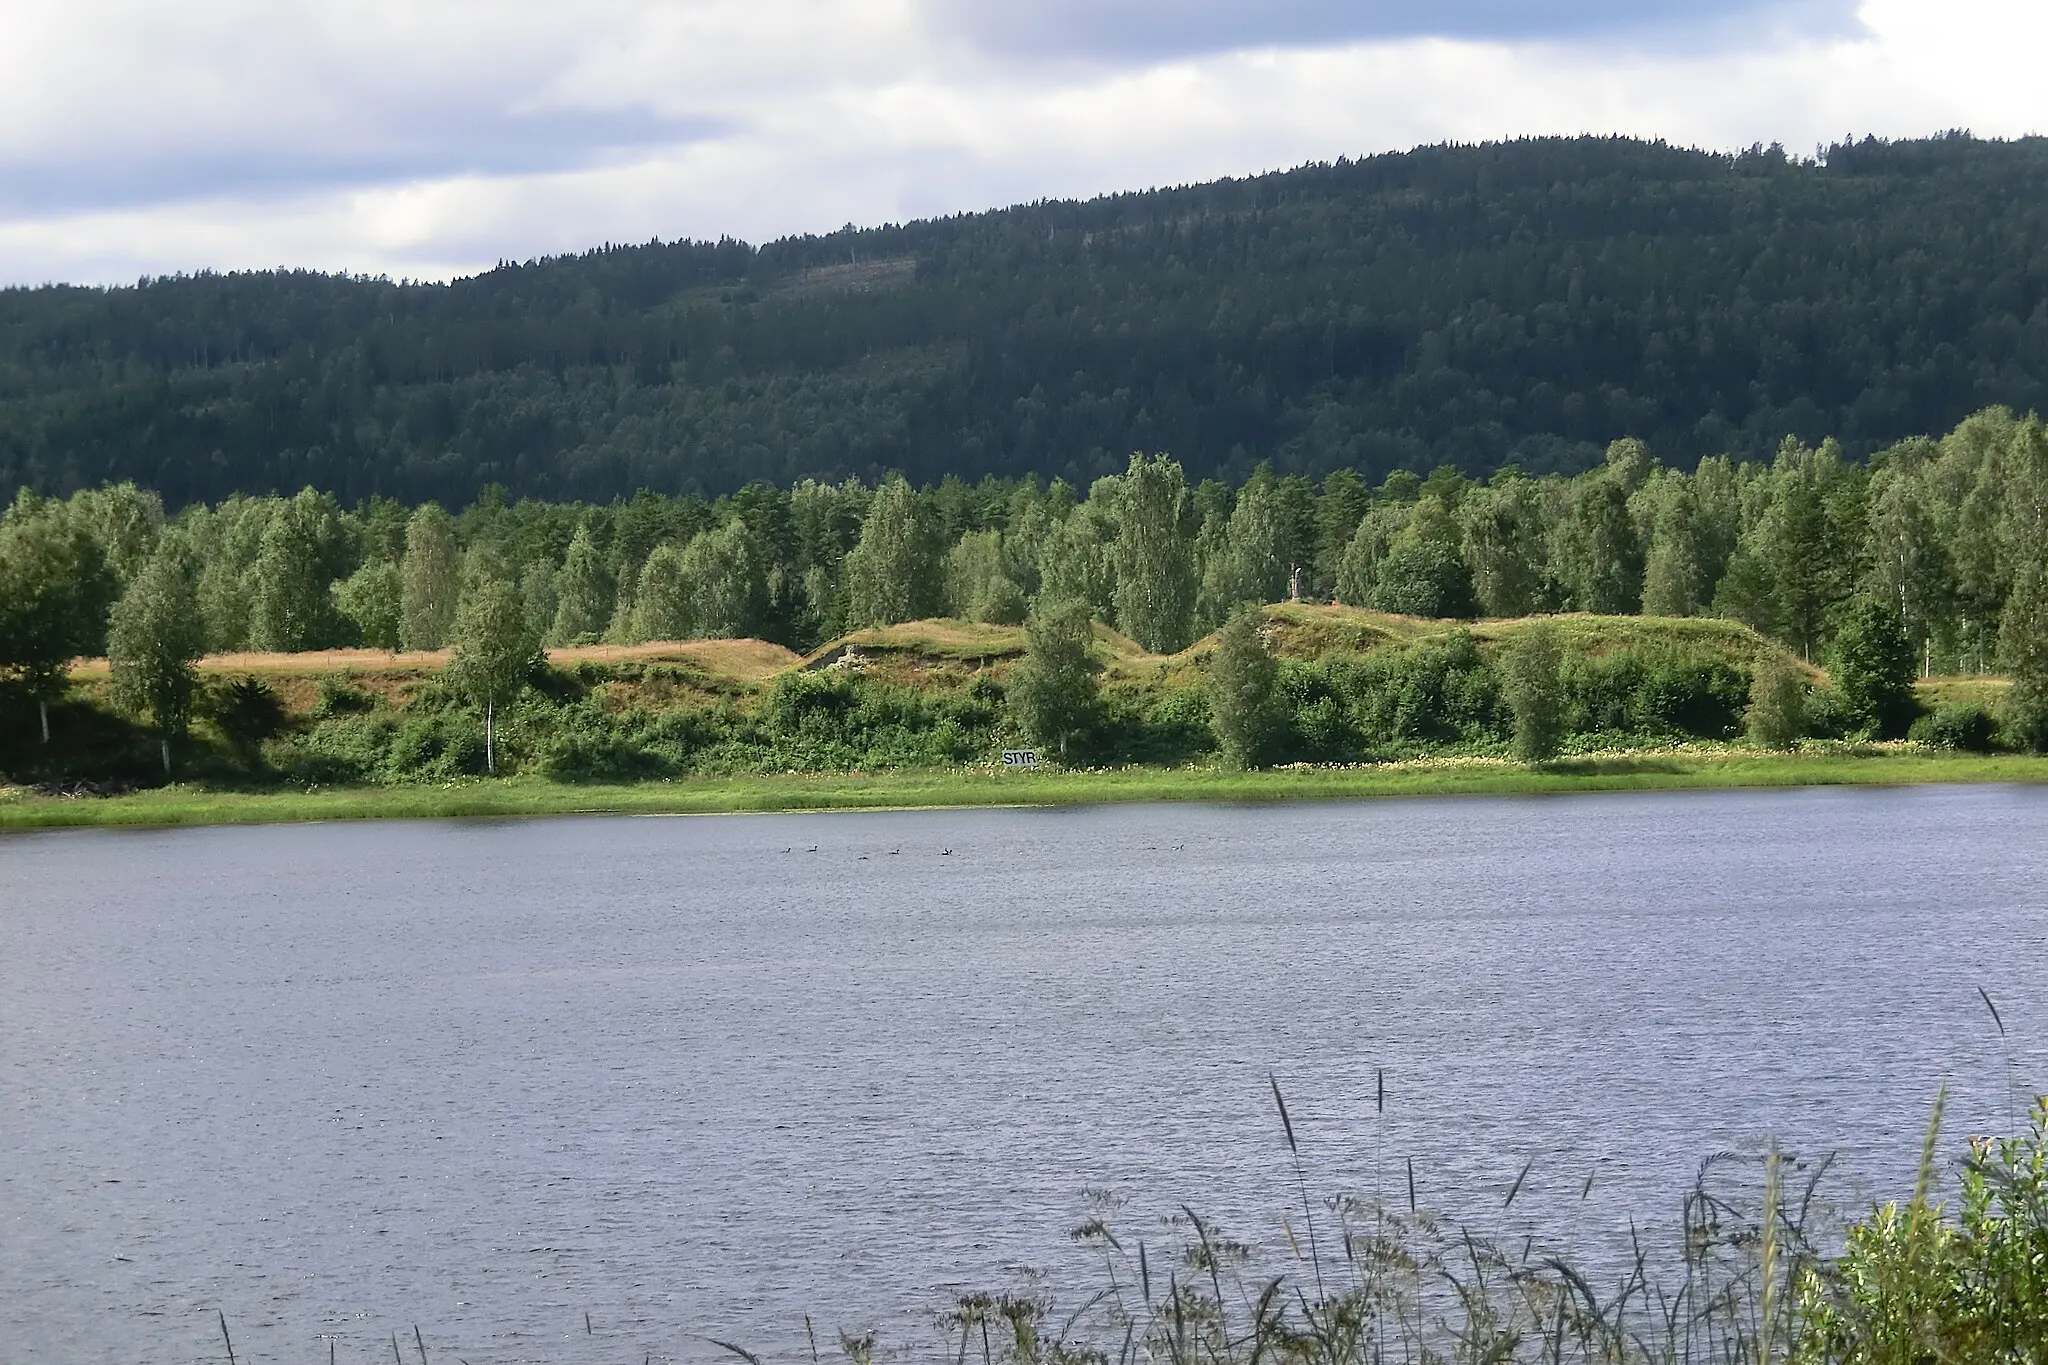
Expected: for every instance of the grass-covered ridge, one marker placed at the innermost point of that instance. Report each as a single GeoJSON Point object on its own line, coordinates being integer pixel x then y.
{"type": "Point", "coordinates": [1366, 704]}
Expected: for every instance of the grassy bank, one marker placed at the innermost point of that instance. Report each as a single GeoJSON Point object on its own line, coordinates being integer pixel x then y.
{"type": "Point", "coordinates": [1675, 769]}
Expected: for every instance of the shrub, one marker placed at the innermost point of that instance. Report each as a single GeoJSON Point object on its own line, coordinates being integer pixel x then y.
{"type": "Point", "coordinates": [1874, 667]}
{"type": "Point", "coordinates": [2023, 716]}
{"type": "Point", "coordinates": [339, 696]}
{"type": "Point", "coordinates": [1777, 704]}
{"type": "Point", "coordinates": [1966, 726]}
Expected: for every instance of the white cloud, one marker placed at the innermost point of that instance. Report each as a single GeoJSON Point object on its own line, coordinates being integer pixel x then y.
{"type": "Point", "coordinates": [430, 139]}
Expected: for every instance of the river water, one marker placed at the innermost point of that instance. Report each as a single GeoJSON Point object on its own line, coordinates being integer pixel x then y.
{"type": "Point", "coordinates": [697, 1077]}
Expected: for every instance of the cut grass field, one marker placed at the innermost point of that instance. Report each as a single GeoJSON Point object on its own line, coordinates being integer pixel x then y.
{"type": "Point", "coordinates": [1671, 770]}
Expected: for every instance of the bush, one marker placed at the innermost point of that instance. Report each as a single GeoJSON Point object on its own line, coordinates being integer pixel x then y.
{"type": "Point", "coordinates": [339, 696]}
{"type": "Point", "coordinates": [1967, 726]}
{"type": "Point", "coordinates": [1777, 704]}
{"type": "Point", "coordinates": [2023, 716]}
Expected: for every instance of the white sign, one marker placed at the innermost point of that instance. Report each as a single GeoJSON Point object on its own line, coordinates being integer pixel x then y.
{"type": "Point", "coordinates": [1020, 758]}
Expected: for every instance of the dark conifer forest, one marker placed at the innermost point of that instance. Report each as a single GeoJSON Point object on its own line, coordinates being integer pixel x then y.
{"type": "Point", "coordinates": [1521, 303]}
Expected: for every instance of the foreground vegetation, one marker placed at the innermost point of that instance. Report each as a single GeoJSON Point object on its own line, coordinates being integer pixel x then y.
{"type": "Point", "coordinates": [1760, 1273]}
{"type": "Point", "coordinates": [1697, 768]}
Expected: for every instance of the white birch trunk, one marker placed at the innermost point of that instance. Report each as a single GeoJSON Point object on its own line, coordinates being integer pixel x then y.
{"type": "Point", "coordinates": [490, 738]}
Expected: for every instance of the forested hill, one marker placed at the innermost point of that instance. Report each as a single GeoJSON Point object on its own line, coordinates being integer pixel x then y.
{"type": "Point", "coordinates": [1522, 302]}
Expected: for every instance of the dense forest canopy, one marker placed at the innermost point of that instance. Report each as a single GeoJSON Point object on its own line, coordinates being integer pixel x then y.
{"type": "Point", "coordinates": [1520, 303]}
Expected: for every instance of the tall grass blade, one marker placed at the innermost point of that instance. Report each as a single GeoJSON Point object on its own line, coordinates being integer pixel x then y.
{"type": "Point", "coordinates": [1285, 1122]}
{"type": "Point", "coordinates": [1516, 1188]}
{"type": "Point", "coordinates": [230, 1341]}
{"type": "Point", "coordinates": [742, 1352]}
{"type": "Point", "coordinates": [1994, 1011]}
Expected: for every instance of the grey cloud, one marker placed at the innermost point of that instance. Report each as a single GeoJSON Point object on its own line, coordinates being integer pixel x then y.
{"type": "Point", "coordinates": [1128, 30]}
{"type": "Point", "coordinates": [386, 146]}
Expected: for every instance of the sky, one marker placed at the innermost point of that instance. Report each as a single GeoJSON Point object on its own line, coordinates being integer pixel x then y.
{"type": "Point", "coordinates": [426, 139]}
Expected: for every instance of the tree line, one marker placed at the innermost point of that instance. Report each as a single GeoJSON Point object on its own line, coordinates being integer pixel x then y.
{"type": "Point", "coordinates": [1474, 306]}
{"type": "Point", "coordinates": [1931, 557]}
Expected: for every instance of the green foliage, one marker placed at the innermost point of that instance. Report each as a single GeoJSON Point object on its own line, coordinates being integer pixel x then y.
{"type": "Point", "coordinates": [1423, 577]}
{"type": "Point", "coordinates": [891, 573]}
{"type": "Point", "coordinates": [372, 600]}
{"type": "Point", "coordinates": [1523, 301]}
{"type": "Point", "coordinates": [1533, 689]}
{"type": "Point", "coordinates": [1776, 718]}
{"type": "Point", "coordinates": [1240, 683]}
{"type": "Point", "coordinates": [337, 696]}
{"type": "Point", "coordinates": [432, 579]}
{"type": "Point", "coordinates": [1052, 694]}
{"type": "Point", "coordinates": [1966, 726]}
{"type": "Point", "coordinates": [1654, 692]}
{"type": "Point", "coordinates": [2023, 649]}
{"type": "Point", "coordinates": [1597, 558]}
{"type": "Point", "coordinates": [155, 635]}
{"type": "Point", "coordinates": [1874, 666]}
{"type": "Point", "coordinates": [493, 651]}
{"type": "Point", "coordinates": [247, 712]}
{"type": "Point", "coordinates": [583, 592]}
{"type": "Point", "coordinates": [300, 555]}
{"type": "Point", "coordinates": [55, 589]}
{"type": "Point", "coordinates": [1153, 558]}
{"type": "Point", "coordinates": [1914, 1285]}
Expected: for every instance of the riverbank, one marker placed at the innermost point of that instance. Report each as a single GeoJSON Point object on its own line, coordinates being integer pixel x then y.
{"type": "Point", "coordinates": [1657, 770]}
